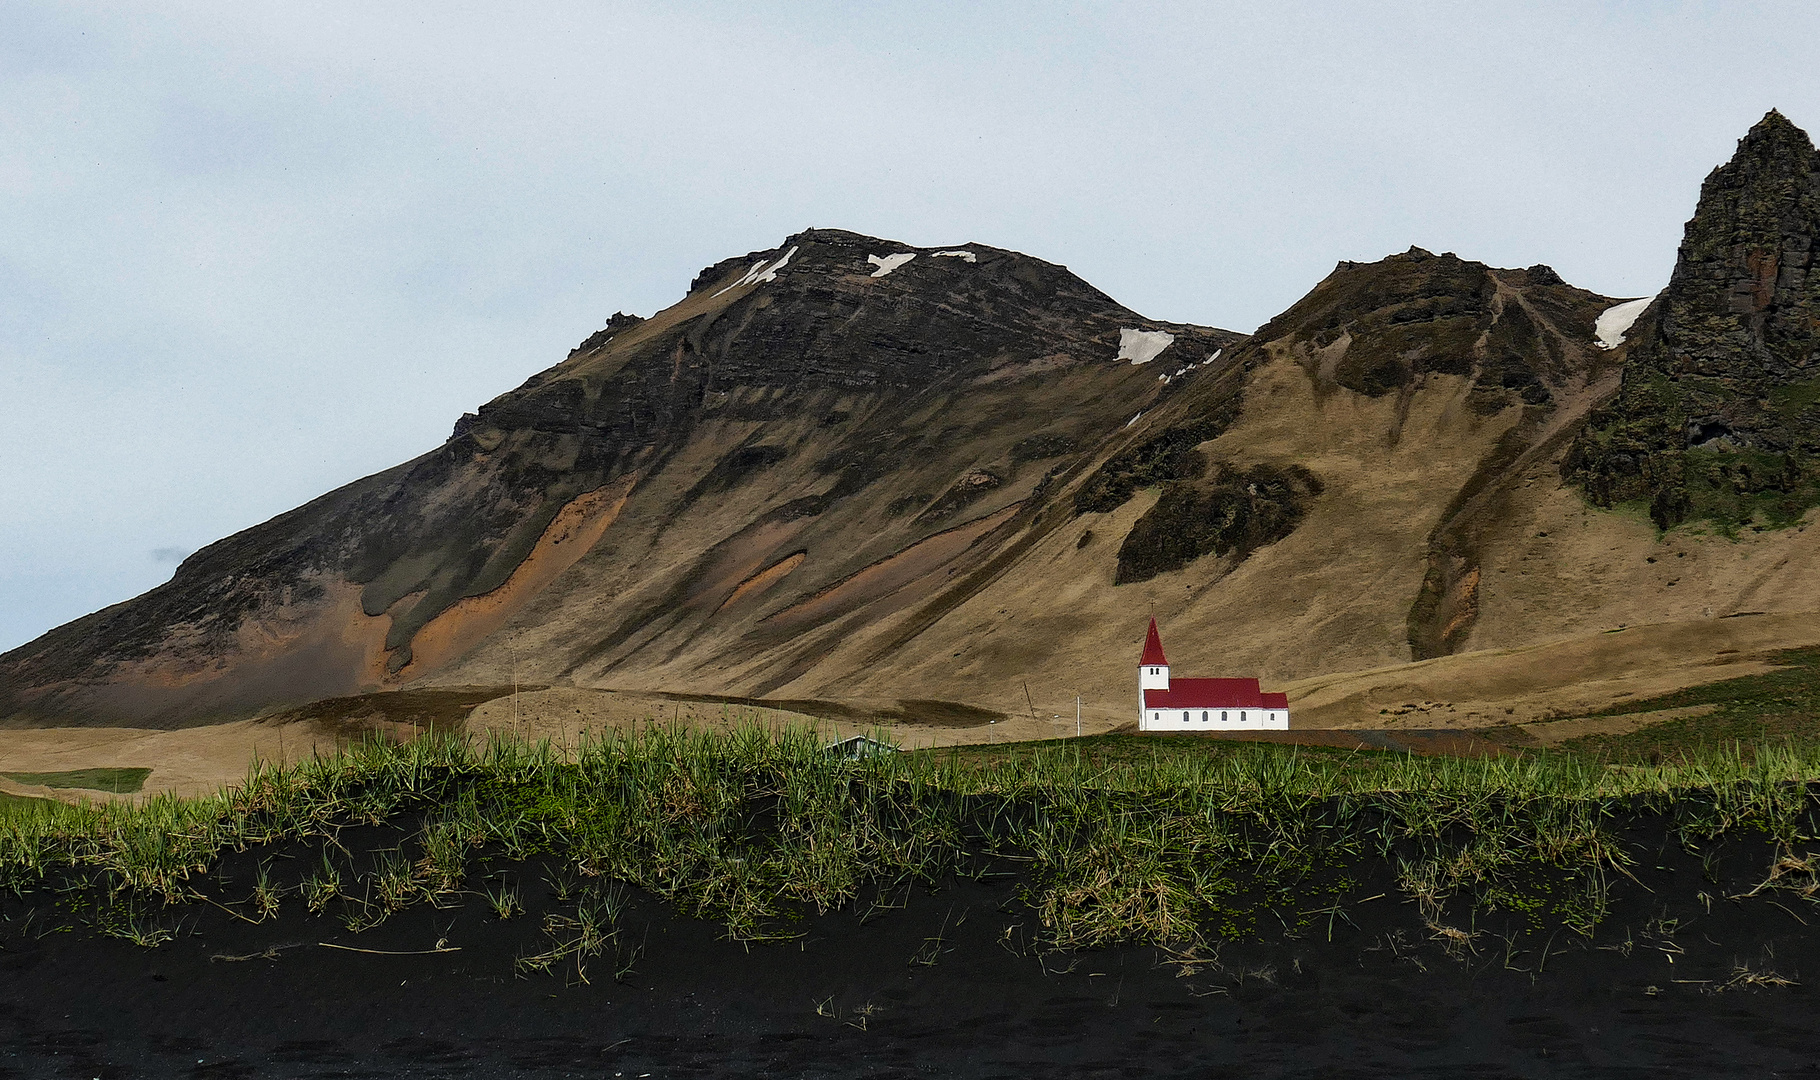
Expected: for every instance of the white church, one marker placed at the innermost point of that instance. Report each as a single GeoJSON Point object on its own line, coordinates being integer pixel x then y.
{"type": "Point", "coordinates": [1201, 704]}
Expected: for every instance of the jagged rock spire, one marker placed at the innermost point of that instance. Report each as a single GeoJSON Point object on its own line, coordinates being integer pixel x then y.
{"type": "Point", "coordinates": [1716, 417]}
{"type": "Point", "coordinates": [1747, 251]}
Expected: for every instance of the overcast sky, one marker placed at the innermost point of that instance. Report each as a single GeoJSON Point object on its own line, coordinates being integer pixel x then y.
{"type": "Point", "coordinates": [249, 252]}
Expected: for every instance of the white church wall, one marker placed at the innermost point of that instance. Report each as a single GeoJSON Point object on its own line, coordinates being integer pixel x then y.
{"type": "Point", "coordinates": [1215, 720]}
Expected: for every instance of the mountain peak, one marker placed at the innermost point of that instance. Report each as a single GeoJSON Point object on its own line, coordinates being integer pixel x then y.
{"type": "Point", "coordinates": [1710, 421]}
{"type": "Point", "coordinates": [1386, 325]}
{"type": "Point", "coordinates": [809, 411]}
{"type": "Point", "coordinates": [1774, 162]}
{"type": "Point", "coordinates": [1774, 128]}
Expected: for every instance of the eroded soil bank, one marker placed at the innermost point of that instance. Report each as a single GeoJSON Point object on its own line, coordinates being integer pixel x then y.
{"type": "Point", "coordinates": [1684, 976]}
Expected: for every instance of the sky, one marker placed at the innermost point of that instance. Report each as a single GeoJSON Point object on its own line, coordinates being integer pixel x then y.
{"type": "Point", "coordinates": [251, 252]}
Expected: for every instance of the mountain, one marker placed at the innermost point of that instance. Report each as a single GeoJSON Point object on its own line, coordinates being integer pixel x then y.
{"type": "Point", "coordinates": [828, 420]}
{"type": "Point", "coordinates": [905, 479]}
{"type": "Point", "coordinates": [1719, 415]}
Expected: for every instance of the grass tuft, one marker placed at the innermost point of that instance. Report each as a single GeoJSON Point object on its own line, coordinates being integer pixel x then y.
{"type": "Point", "coordinates": [1180, 843]}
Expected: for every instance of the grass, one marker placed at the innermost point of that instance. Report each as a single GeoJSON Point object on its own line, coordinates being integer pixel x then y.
{"type": "Point", "coordinates": [1121, 752]}
{"type": "Point", "coordinates": [1174, 842]}
{"type": "Point", "coordinates": [1762, 710]}
{"type": "Point", "coordinates": [117, 781]}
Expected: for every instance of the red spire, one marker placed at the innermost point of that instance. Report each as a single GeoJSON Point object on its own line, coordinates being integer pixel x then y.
{"type": "Point", "coordinates": [1153, 649]}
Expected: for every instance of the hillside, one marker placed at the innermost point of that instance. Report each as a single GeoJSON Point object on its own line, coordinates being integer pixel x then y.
{"type": "Point", "coordinates": [806, 424]}
{"type": "Point", "coordinates": [848, 470]}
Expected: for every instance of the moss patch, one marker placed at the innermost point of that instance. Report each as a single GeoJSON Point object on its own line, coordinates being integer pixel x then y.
{"type": "Point", "coordinates": [118, 781]}
{"type": "Point", "coordinates": [1160, 459]}
{"type": "Point", "coordinates": [1234, 514]}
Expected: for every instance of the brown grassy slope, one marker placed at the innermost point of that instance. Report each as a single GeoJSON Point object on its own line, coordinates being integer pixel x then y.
{"type": "Point", "coordinates": [1547, 678]}
{"type": "Point", "coordinates": [1423, 478]}
{"type": "Point", "coordinates": [1331, 595]}
{"type": "Point", "coordinates": [1401, 386]}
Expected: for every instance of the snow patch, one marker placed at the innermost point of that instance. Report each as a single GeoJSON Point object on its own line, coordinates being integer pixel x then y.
{"type": "Point", "coordinates": [889, 262]}
{"type": "Point", "coordinates": [1142, 346]}
{"type": "Point", "coordinates": [771, 274]}
{"type": "Point", "coordinates": [1614, 322]}
{"type": "Point", "coordinates": [760, 272]}
{"type": "Point", "coordinates": [968, 255]}
{"type": "Point", "coordinates": [1133, 420]}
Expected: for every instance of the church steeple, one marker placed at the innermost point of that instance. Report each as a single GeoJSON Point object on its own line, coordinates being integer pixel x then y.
{"type": "Point", "coordinates": [1153, 649]}
{"type": "Point", "coordinates": [1153, 666]}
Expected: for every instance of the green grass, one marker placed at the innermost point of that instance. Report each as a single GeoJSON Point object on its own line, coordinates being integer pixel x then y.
{"type": "Point", "coordinates": [1750, 712]}
{"type": "Point", "coordinates": [10, 801]}
{"type": "Point", "coordinates": [1167, 841]}
{"type": "Point", "coordinates": [1793, 399]}
{"type": "Point", "coordinates": [118, 781]}
{"type": "Point", "coordinates": [1117, 750]}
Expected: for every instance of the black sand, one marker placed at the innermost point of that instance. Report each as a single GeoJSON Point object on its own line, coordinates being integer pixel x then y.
{"type": "Point", "coordinates": [942, 986]}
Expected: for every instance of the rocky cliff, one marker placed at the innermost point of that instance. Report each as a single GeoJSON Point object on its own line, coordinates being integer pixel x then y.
{"type": "Point", "coordinates": [1719, 414]}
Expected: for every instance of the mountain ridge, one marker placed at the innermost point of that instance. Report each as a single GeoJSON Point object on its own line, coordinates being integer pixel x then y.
{"type": "Point", "coordinates": [848, 469]}
{"type": "Point", "coordinates": [826, 341]}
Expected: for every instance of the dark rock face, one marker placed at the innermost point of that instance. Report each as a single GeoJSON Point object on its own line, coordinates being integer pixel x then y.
{"type": "Point", "coordinates": [1234, 512]}
{"type": "Point", "coordinates": [1380, 328]}
{"type": "Point", "coordinates": [620, 321]}
{"type": "Point", "coordinates": [835, 324]}
{"type": "Point", "coordinates": [1170, 455]}
{"type": "Point", "coordinates": [1719, 414]}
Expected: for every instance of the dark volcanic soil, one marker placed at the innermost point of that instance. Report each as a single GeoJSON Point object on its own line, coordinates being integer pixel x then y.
{"type": "Point", "coordinates": [944, 985]}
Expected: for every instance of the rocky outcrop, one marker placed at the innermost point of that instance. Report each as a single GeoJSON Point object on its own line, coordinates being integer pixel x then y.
{"type": "Point", "coordinates": [1161, 458]}
{"type": "Point", "coordinates": [1718, 417]}
{"type": "Point", "coordinates": [1229, 515]}
{"type": "Point", "coordinates": [1382, 328]}
{"type": "Point", "coordinates": [620, 321]}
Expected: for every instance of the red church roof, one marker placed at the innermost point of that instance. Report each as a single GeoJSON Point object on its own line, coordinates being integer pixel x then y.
{"type": "Point", "coordinates": [1213, 694]}
{"type": "Point", "coordinates": [1153, 650]}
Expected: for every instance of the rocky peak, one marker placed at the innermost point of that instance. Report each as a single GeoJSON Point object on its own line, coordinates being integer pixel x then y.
{"type": "Point", "coordinates": [1743, 262]}
{"type": "Point", "coordinates": [1719, 413]}
{"type": "Point", "coordinates": [827, 308]}
{"type": "Point", "coordinates": [1380, 327]}
{"type": "Point", "coordinates": [620, 321]}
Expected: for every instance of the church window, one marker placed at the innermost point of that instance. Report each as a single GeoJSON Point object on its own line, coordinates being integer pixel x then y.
{"type": "Point", "coordinates": [1222, 716]}
{"type": "Point", "coordinates": [1203, 716]}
